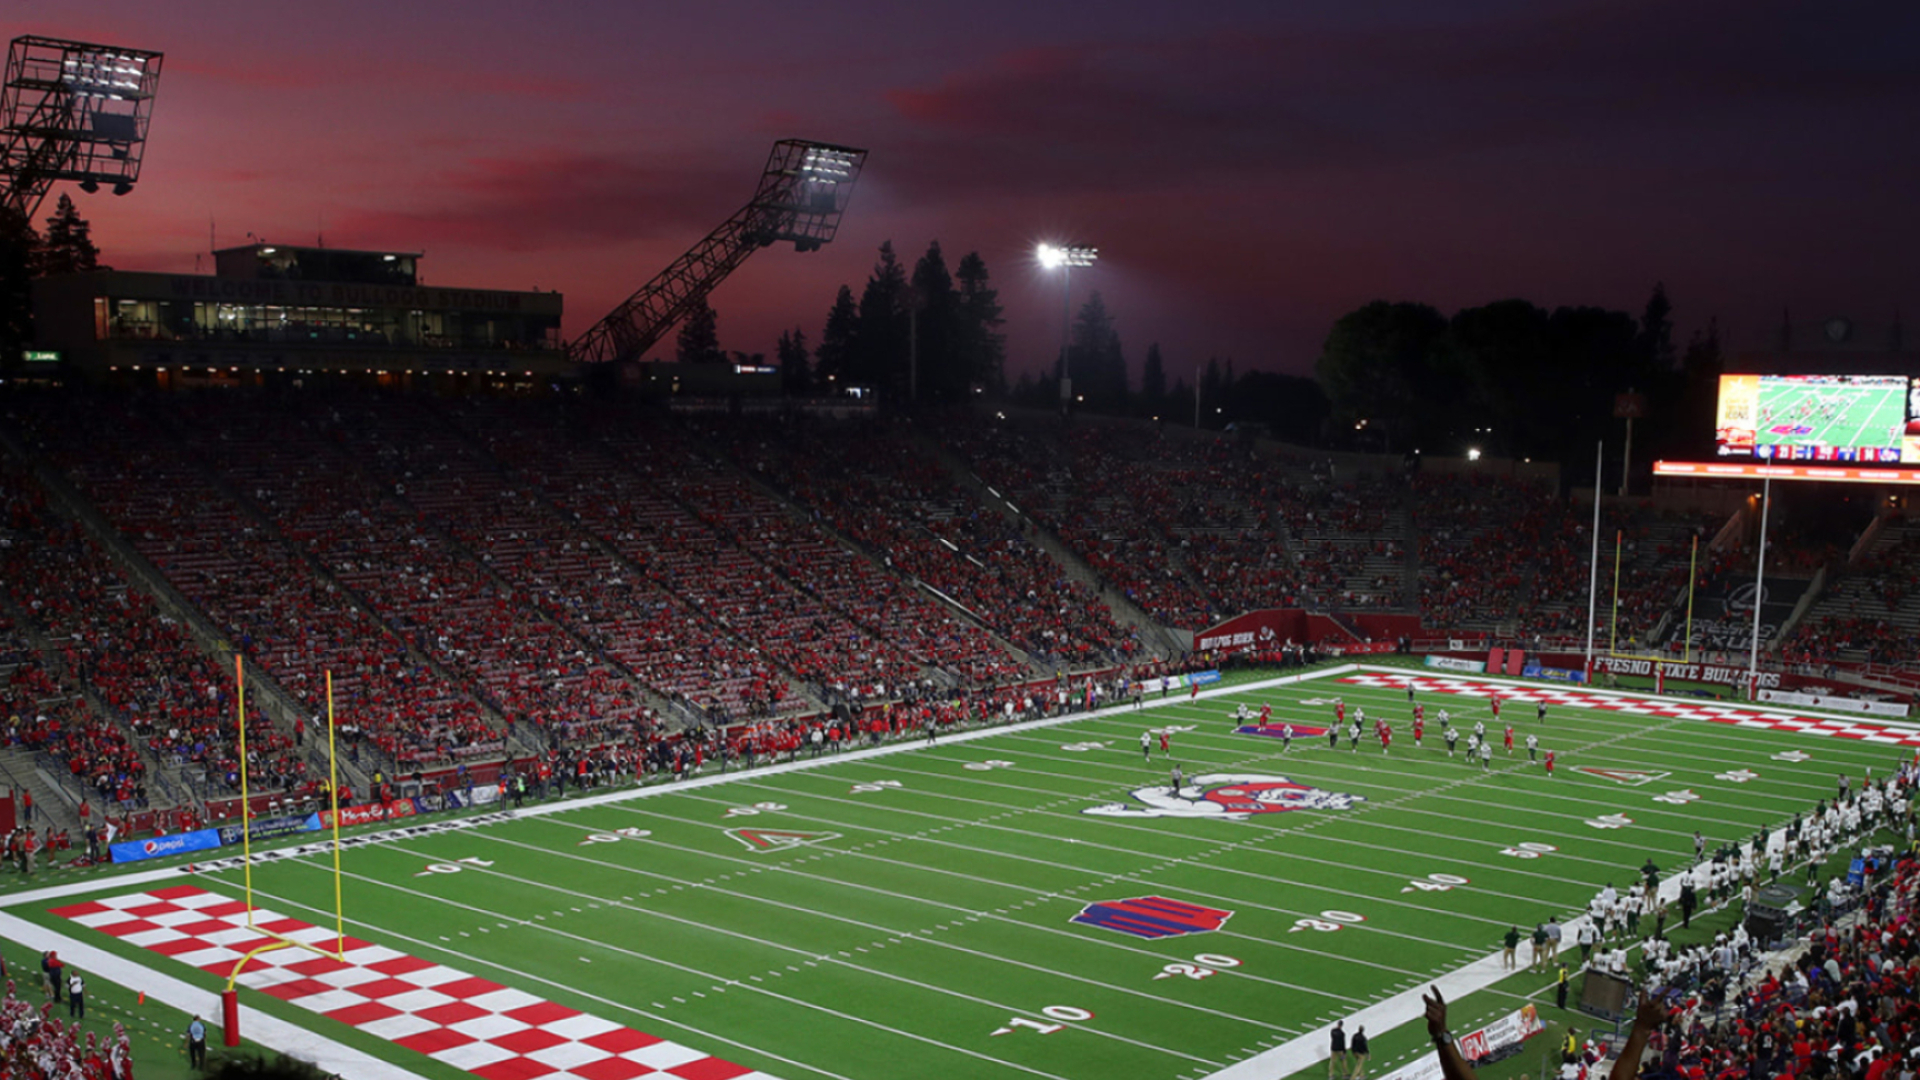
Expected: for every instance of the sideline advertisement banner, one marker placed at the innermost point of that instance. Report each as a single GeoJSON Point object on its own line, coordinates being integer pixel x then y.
{"type": "Point", "coordinates": [1476, 1046]}
{"type": "Point", "coordinates": [365, 814]}
{"type": "Point", "coordinates": [1837, 704]}
{"type": "Point", "coordinates": [162, 846]}
{"type": "Point", "coordinates": [1360, 648]}
{"type": "Point", "coordinates": [1454, 663]}
{"type": "Point", "coordinates": [1179, 682]}
{"type": "Point", "coordinates": [269, 828]}
{"type": "Point", "coordinates": [1553, 674]}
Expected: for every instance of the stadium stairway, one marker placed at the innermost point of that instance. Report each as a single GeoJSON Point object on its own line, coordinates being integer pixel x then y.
{"type": "Point", "coordinates": [267, 694]}
{"type": "Point", "coordinates": [54, 805]}
{"type": "Point", "coordinates": [195, 455]}
{"type": "Point", "coordinates": [1158, 638]}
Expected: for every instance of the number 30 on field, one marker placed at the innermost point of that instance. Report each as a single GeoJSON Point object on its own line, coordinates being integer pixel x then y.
{"type": "Point", "coordinates": [1328, 921]}
{"type": "Point", "coordinates": [1203, 966]}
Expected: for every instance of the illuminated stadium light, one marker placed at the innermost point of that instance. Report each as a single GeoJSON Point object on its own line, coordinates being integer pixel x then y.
{"type": "Point", "coordinates": [1055, 256]}
{"type": "Point", "coordinates": [75, 112]}
{"type": "Point", "coordinates": [1473, 453]}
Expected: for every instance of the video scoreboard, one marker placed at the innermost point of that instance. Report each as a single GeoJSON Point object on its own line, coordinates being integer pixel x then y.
{"type": "Point", "coordinates": [1845, 419]}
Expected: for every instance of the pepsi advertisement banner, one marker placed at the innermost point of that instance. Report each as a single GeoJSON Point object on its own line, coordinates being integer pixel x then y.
{"type": "Point", "coordinates": [268, 828]}
{"type": "Point", "coordinates": [162, 846]}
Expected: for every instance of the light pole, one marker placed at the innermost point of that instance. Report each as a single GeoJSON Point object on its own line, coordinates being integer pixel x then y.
{"type": "Point", "coordinates": [1065, 257]}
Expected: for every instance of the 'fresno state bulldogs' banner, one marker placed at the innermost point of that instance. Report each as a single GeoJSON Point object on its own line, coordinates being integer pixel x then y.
{"type": "Point", "coordinates": [1718, 674]}
{"type": "Point", "coordinates": [1227, 797]}
{"type": "Point", "coordinates": [161, 846]}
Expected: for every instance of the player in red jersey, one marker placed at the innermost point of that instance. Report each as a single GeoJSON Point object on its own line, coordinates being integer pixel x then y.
{"type": "Point", "coordinates": [1509, 740]}
{"type": "Point", "coordinates": [1496, 706]}
{"type": "Point", "coordinates": [1419, 727]}
{"type": "Point", "coordinates": [1266, 713]}
{"type": "Point", "coordinates": [1339, 713]}
{"type": "Point", "coordinates": [1420, 712]}
{"type": "Point", "coordinates": [1166, 741]}
{"type": "Point", "coordinates": [1386, 738]}
{"type": "Point", "coordinates": [1549, 764]}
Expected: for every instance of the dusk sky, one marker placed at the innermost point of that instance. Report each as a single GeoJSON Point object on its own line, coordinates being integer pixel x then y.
{"type": "Point", "coordinates": [1250, 171]}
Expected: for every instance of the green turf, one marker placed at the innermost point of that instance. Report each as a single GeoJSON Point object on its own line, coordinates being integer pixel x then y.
{"type": "Point", "coordinates": [940, 911]}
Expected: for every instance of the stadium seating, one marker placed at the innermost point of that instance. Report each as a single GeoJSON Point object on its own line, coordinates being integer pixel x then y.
{"type": "Point", "coordinates": [876, 486]}
{"type": "Point", "coordinates": [257, 587]}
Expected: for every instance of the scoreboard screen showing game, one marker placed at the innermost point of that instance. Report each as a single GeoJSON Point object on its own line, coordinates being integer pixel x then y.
{"type": "Point", "coordinates": [1855, 419]}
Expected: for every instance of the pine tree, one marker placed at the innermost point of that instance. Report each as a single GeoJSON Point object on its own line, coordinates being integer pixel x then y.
{"type": "Point", "coordinates": [699, 341]}
{"type": "Point", "coordinates": [19, 252]}
{"type": "Point", "coordinates": [68, 247]}
{"type": "Point", "coordinates": [936, 310]}
{"type": "Point", "coordinates": [880, 353]}
{"type": "Point", "coordinates": [795, 378]}
{"type": "Point", "coordinates": [834, 359]}
{"type": "Point", "coordinates": [979, 346]}
{"type": "Point", "coordinates": [1153, 379]}
{"type": "Point", "coordinates": [1656, 329]}
{"type": "Point", "coordinates": [1098, 368]}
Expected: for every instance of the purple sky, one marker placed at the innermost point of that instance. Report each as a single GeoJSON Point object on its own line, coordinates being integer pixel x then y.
{"type": "Point", "coordinates": [1250, 171]}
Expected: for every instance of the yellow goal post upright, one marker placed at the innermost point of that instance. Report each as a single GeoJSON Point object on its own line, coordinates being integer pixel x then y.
{"type": "Point", "coordinates": [229, 998]}
{"type": "Point", "coordinates": [1613, 638]}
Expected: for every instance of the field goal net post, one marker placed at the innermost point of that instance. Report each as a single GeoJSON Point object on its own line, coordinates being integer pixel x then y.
{"type": "Point", "coordinates": [229, 998]}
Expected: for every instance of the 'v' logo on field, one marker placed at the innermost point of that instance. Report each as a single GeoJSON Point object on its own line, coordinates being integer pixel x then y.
{"type": "Point", "coordinates": [1629, 777]}
{"type": "Point", "coordinates": [778, 839]}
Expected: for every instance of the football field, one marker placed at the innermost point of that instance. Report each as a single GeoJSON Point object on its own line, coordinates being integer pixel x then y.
{"type": "Point", "coordinates": [1028, 901]}
{"type": "Point", "coordinates": [1860, 415]}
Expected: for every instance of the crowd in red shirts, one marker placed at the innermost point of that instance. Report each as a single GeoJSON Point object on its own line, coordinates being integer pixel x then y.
{"type": "Point", "coordinates": [1478, 536]}
{"type": "Point", "coordinates": [877, 486]}
{"type": "Point", "coordinates": [1847, 1009]}
{"type": "Point", "coordinates": [260, 590]}
{"type": "Point", "coordinates": [35, 1044]}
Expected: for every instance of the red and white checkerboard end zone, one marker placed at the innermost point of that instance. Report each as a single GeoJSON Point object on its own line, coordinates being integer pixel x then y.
{"type": "Point", "coordinates": [470, 1023]}
{"type": "Point", "coordinates": [1611, 701]}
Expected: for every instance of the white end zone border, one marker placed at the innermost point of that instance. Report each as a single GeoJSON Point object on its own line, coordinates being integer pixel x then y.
{"type": "Point", "coordinates": [1589, 690]}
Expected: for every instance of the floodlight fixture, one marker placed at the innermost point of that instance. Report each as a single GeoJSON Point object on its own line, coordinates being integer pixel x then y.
{"type": "Point", "coordinates": [1056, 256]}
{"type": "Point", "coordinates": [73, 111]}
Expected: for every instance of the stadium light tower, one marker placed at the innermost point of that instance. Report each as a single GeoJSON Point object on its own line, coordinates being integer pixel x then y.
{"type": "Point", "coordinates": [1064, 257]}
{"type": "Point", "coordinates": [803, 192]}
{"type": "Point", "coordinates": [73, 111]}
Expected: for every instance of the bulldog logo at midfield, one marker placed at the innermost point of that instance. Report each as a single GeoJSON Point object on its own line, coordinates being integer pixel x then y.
{"type": "Point", "coordinates": [1227, 797]}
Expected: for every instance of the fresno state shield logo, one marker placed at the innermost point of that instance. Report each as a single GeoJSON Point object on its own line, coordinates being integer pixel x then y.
{"type": "Point", "coordinates": [1152, 917]}
{"type": "Point", "coordinates": [1227, 797]}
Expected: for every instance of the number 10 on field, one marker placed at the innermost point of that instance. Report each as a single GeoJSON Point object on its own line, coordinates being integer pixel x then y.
{"type": "Point", "coordinates": [1068, 1013]}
